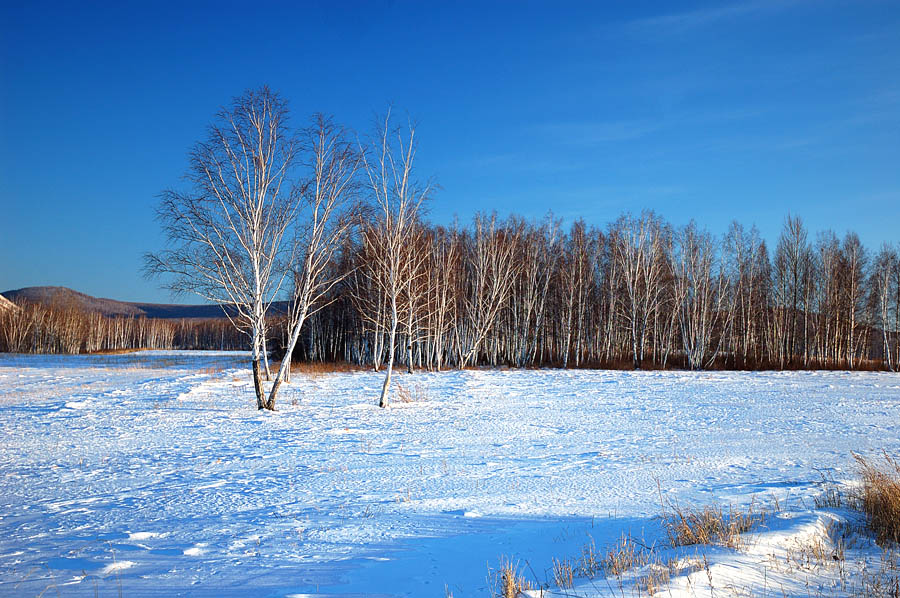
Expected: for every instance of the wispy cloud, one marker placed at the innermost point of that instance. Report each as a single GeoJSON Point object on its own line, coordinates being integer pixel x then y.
{"type": "Point", "coordinates": [594, 133]}
{"type": "Point", "coordinates": [684, 22]}
{"type": "Point", "coordinates": [517, 161]}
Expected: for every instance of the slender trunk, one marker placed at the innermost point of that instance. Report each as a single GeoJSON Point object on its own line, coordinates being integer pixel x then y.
{"type": "Point", "coordinates": [265, 356]}
{"type": "Point", "coordinates": [285, 368]}
{"type": "Point", "coordinates": [258, 384]}
{"type": "Point", "coordinates": [383, 400]}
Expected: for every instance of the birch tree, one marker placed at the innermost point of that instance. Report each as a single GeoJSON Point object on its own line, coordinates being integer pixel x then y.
{"type": "Point", "coordinates": [537, 254]}
{"type": "Point", "coordinates": [640, 258]}
{"type": "Point", "coordinates": [699, 293]}
{"type": "Point", "coordinates": [492, 272]}
{"type": "Point", "coordinates": [576, 278]}
{"type": "Point", "coordinates": [322, 223]}
{"type": "Point", "coordinates": [885, 271]}
{"type": "Point", "coordinates": [855, 260]}
{"type": "Point", "coordinates": [227, 231]}
{"type": "Point", "coordinates": [791, 267]}
{"type": "Point", "coordinates": [397, 197]}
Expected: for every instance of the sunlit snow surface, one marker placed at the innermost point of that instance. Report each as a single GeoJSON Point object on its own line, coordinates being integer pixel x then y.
{"type": "Point", "coordinates": [154, 474]}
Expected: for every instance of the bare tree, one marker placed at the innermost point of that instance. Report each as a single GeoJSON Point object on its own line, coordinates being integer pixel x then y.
{"type": "Point", "coordinates": [576, 278]}
{"type": "Point", "coordinates": [699, 291]}
{"type": "Point", "coordinates": [492, 272]}
{"type": "Point", "coordinates": [444, 278]}
{"type": "Point", "coordinates": [397, 197]}
{"type": "Point", "coordinates": [828, 258]}
{"type": "Point", "coordinates": [227, 232]}
{"type": "Point", "coordinates": [886, 269]}
{"type": "Point", "coordinates": [792, 262]}
{"type": "Point", "coordinates": [640, 258]}
{"type": "Point", "coordinates": [537, 256]}
{"type": "Point", "coordinates": [855, 260]}
{"type": "Point", "coordinates": [414, 307]}
{"type": "Point", "coordinates": [325, 219]}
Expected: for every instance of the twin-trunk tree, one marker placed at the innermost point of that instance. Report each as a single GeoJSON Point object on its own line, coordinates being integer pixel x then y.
{"type": "Point", "coordinates": [252, 219]}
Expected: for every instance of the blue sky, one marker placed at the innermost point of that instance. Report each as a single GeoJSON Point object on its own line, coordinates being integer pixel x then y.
{"type": "Point", "coordinates": [712, 111]}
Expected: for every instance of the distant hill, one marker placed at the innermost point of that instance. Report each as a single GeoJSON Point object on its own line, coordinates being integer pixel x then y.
{"type": "Point", "coordinates": [65, 297]}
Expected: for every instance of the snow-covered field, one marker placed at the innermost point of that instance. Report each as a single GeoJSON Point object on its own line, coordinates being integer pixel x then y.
{"type": "Point", "coordinates": [153, 474]}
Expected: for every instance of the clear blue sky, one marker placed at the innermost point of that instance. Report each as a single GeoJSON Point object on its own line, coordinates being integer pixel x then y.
{"type": "Point", "coordinates": [712, 111]}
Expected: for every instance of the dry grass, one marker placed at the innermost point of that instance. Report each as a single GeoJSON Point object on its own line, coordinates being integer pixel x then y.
{"type": "Point", "coordinates": [831, 498]}
{"type": "Point", "coordinates": [658, 576]}
{"type": "Point", "coordinates": [563, 574]}
{"type": "Point", "coordinates": [314, 369]}
{"type": "Point", "coordinates": [629, 558]}
{"type": "Point", "coordinates": [591, 561]}
{"type": "Point", "coordinates": [883, 582]}
{"type": "Point", "coordinates": [323, 367]}
{"type": "Point", "coordinates": [623, 556]}
{"type": "Point", "coordinates": [507, 582]}
{"type": "Point", "coordinates": [415, 395]}
{"type": "Point", "coordinates": [879, 497]}
{"type": "Point", "coordinates": [114, 351]}
{"type": "Point", "coordinates": [710, 525]}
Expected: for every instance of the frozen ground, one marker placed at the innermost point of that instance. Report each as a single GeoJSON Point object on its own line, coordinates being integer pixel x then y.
{"type": "Point", "coordinates": [153, 473]}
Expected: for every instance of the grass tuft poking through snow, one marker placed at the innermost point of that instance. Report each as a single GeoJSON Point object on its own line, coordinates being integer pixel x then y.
{"type": "Point", "coordinates": [416, 394]}
{"type": "Point", "coordinates": [563, 573]}
{"type": "Point", "coordinates": [624, 556]}
{"type": "Point", "coordinates": [507, 581]}
{"type": "Point", "coordinates": [879, 497]}
{"type": "Point", "coordinates": [710, 525]}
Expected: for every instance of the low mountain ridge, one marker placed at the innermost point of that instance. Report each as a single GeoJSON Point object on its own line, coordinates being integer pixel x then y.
{"type": "Point", "coordinates": [65, 297]}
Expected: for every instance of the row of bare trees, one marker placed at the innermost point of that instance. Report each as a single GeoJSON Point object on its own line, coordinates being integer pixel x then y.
{"type": "Point", "coordinates": [37, 328]}
{"type": "Point", "coordinates": [638, 293]}
{"type": "Point", "coordinates": [334, 224]}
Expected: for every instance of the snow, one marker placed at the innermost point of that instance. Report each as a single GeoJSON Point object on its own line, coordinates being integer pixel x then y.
{"type": "Point", "coordinates": [154, 472]}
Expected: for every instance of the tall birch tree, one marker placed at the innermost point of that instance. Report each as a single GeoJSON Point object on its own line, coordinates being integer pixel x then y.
{"type": "Point", "coordinates": [227, 231]}
{"type": "Point", "coordinates": [397, 197]}
{"type": "Point", "coordinates": [322, 223]}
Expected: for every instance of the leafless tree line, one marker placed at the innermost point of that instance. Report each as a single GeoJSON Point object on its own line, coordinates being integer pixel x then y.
{"type": "Point", "coordinates": [38, 328]}
{"type": "Point", "coordinates": [638, 293]}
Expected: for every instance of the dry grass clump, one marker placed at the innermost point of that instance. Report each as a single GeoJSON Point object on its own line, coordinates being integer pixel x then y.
{"type": "Point", "coordinates": [631, 562]}
{"type": "Point", "coordinates": [415, 395]}
{"type": "Point", "coordinates": [591, 561]}
{"type": "Point", "coordinates": [113, 351]}
{"type": "Point", "coordinates": [658, 576]}
{"type": "Point", "coordinates": [563, 574]}
{"type": "Point", "coordinates": [507, 582]}
{"type": "Point", "coordinates": [831, 497]}
{"type": "Point", "coordinates": [314, 369]}
{"type": "Point", "coordinates": [710, 525]}
{"type": "Point", "coordinates": [623, 556]}
{"type": "Point", "coordinates": [879, 497]}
